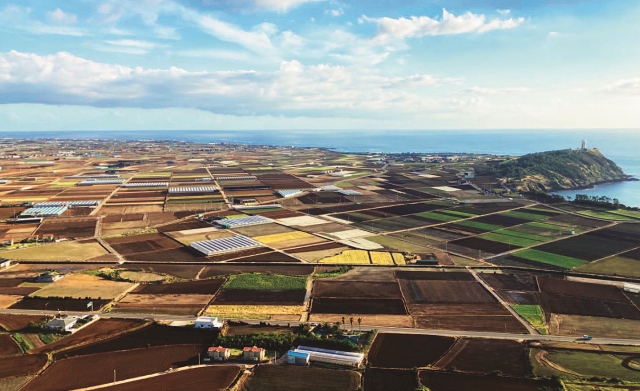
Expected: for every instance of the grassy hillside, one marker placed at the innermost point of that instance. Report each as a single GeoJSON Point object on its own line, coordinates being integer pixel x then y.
{"type": "Point", "coordinates": [557, 170]}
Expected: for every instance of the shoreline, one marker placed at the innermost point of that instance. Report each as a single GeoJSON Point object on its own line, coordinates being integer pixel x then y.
{"type": "Point", "coordinates": [628, 178]}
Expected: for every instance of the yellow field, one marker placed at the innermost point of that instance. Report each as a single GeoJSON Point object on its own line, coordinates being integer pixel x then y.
{"type": "Point", "coordinates": [349, 257]}
{"type": "Point", "coordinates": [59, 251]}
{"type": "Point", "coordinates": [399, 259]}
{"type": "Point", "coordinates": [83, 285]}
{"type": "Point", "coordinates": [274, 238]}
{"type": "Point", "coordinates": [8, 300]}
{"type": "Point", "coordinates": [250, 311]}
{"type": "Point", "coordinates": [141, 276]}
{"type": "Point", "coordinates": [381, 258]}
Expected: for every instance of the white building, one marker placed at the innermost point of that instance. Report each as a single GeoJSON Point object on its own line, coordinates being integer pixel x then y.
{"type": "Point", "coordinates": [208, 322]}
{"type": "Point", "coordinates": [62, 324]}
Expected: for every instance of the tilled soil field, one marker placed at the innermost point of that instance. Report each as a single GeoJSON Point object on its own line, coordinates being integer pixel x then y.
{"type": "Point", "coordinates": [519, 297]}
{"type": "Point", "coordinates": [218, 377]}
{"type": "Point", "coordinates": [483, 245]}
{"type": "Point", "coordinates": [501, 220]}
{"type": "Point", "coordinates": [142, 243]}
{"type": "Point", "coordinates": [8, 346]}
{"type": "Point", "coordinates": [378, 379]}
{"type": "Point", "coordinates": [260, 297]}
{"type": "Point", "coordinates": [152, 335]}
{"type": "Point", "coordinates": [181, 271]}
{"type": "Point", "coordinates": [274, 256]}
{"type": "Point", "coordinates": [183, 226]}
{"type": "Point", "coordinates": [22, 365]}
{"type": "Point", "coordinates": [183, 254]}
{"type": "Point", "coordinates": [445, 292]}
{"type": "Point", "coordinates": [358, 306]}
{"type": "Point", "coordinates": [283, 181]}
{"type": "Point", "coordinates": [18, 322]}
{"type": "Point", "coordinates": [582, 289]}
{"type": "Point", "coordinates": [292, 378]}
{"type": "Point", "coordinates": [316, 247]}
{"type": "Point", "coordinates": [407, 351]}
{"type": "Point", "coordinates": [163, 301]}
{"type": "Point", "coordinates": [86, 371]}
{"type": "Point", "coordinates": [447, 381]}
{"type": "Point", "coordinates": [498, 324]}
{"type": "Point", "coordinates": [80, 228]}
{"type": "Point", "coordinates": [515, 282]}
{"type": "Point", "coordinates": [10, 282]}
{"type": "Point", "coordinates": [29, 303]}
{"type": "Point", "coordinates": [359, 289]}
{"type": "Point", "coordinates": [435, 276]}
{"type": "Point", "coordinates": [204, 287]}
{"type": "Point", "coordinates": [103, 328]}
{"type": "Point", "coordinates": [457, 310]}
{"type": "Point", "coordinates": [487, 355]}
{"type": "Point", "coordinates": [561, 304]}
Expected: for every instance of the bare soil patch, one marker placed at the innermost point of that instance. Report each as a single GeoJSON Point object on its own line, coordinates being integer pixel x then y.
{"type": "Point", "coordinates": [8, 346]}
{"type": "Point", "coordinates": [445, 292]}
{"type": "Point", "coordinates": [260, 297]}
{"type": "Point", "coordinates": [489, 355]}
{"type": "Point", "coordinates": [12, 322]}
{"type": "Point", "coordinates": [446, 381]}
{"type": "Point", "coordinates": [358, 306]}
{"type": "Point", "coordinates": [498, 324]}
{"type": "Point", "coordinates": [29, 303]}
{"type": "Point", "coordinates": [359, 289]}
{"type": "Point", "coordinates": [27, 364]}
{"type": "Point", "coordinates": [378, 379]}
{"type": "Point", "coordinates": [205, 287]}
{"type": "Point", "coordinates": [407, 351]}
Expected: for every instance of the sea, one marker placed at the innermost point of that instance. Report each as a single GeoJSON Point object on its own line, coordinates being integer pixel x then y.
{"type": "Point", "coordinates": [621, 146]}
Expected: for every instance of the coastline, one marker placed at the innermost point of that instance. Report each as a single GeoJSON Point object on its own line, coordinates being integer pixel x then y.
{"type": "Point", "coordinates": [628, 178]}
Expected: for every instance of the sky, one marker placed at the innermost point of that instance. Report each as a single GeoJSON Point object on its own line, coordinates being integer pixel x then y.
{"type": "Point", "coordinates": [319, 64]}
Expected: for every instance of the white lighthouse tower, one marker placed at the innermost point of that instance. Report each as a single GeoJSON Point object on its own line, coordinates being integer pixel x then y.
{"type": "Point", "coordinates": [583, 146]}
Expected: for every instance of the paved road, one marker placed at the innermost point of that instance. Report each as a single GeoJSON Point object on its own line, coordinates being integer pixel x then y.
{"type": "Point", "coordinates": [400, 330]}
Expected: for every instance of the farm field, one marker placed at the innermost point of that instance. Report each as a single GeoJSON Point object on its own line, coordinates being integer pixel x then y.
{"type": "Point", "coordinates": [75, 251]}
{"type": "Point", "coordinates": [616, 265]}
{"type": "Point", "coordinates": [446, 381]}
{"type": "Point", "coordinates": [498, 324]}
{"type": "Point", "coordinates": [69, 228]}
{"type": "Point", "coordinates": [257, 297]}
{"type": "Point", "coordinates": [359, 289]}
{"type": "Point", "coordinates": [214, 378]}
{"type": "Point", "coordinates": [91, 370]}
{"type": "Point", "coordinates": [8, 346]}
{"type": "Point", "coordinates": [280, 312]}
{"type": "Point", "coordinates": [484, 356]}
{"type": "Point", "coordinates": [378, 379]}
{"type": "Point", "coordinates": [589, 364]}
{"type": "Point", "coordinates": [401, 350]}
{"type": "Point", "coordinates": [202, 287]}
{"type": "Point", "coordinates": [165, 300]}
{"type": "Point", "coordinates": [367, 319]}
{"type": "Point", "coordinates": [7, 301]}
{"type": "Point", "coordinates": [223, 270]}
{"type": "Point", "coordinates": [18, 322]}
{"type": "Point", "coordinates": [445, 292]}
{"type": "Point", "coordinates": [261, 281]}
{"type": "Point", "coordinates": [279, 377]}
{"type": "Point", "coordinates": [102, 329]}
{"type": "Point", "coordinates": [534, 315]}
{"type": "Point", "coordinates": [27, 364]}
{"type": "Point", "coordinates": [358, 306]}
{"type": "Point", "coordinates": [576, 325]}
{"type": "Point", "coordinates": [54, 304]}
{"type": "Point", "coordinates": [570, 305]}
{"type": "Point", "coordinates": [539, 256]}
{"type": "Point", "coordinates": [79, 286]}
{"type": "Point", "coordinates": [582, 289]}
{"type": "Point", "coordinates": [516, 282]}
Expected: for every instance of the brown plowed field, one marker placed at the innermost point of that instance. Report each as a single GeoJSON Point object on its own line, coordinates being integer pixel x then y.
{"type": "Point", "coordinates": [22, 365]}
{"type": "Point", "coordinates": [512, 282]}
{"type": "Point", "coordinates": [181, 271]}
{"type": "Point", "coordinates": [92, 370]}
{"type": "Point", "coordinates": [260, 297]}
{"type": "Point", "coordinates": [18, 322]}
{"type": "Point", "coordinates": [447, 381]}
{"type": "Point", "coordinates": [292, 378]}
{"type": "Point", "coordinates": [357, 289]}
{"type": "Point", "coordinates": [498, 324]}
{"type": "Point", "coordinates": [205, 287]}
{"type": "Point", "coordinates": [367, 319]}
{"type": "Point", "coordinates": [283, 181]}
{"type": "Point", "coordinates": [457, 309]}
{"type": "Point", "coordinates": [358, 306]}
{"type": "Point", "coordinates": [218, 377]}
{"type": "Point", "coordinates": [316, 247]}
{"type": "Point", "coordinates": [487, 355]}
{"type": "Point", "coordinates": [184, 225]}
{"type": "Point", "coordinates": [582, 289]}
{"type": "Point", "coordinates": [8, 346]}
{"type": "Point", "coordinates": [10, 282]}
{"type": "Point", "coordinates": [519, 297]}
{"type": "Point", "coordinates": [50, 304]}
{"type": "Point", "coordinates": [561, 304]}
{"type": "Point", "coordinates": [80, 228]}
{"type": "Point", "coordinates": [18, 291]}
{"type": "Point", "coordinates": [222, 270]}
{"type": "Point", "coordinates": [103, 328]}
{"type": "Point", "coordinates": [183, 254]}
{"type": "Point", "coordinates": [377, 379]}
{"type": "Point", "coordinates": [143, 243]}
{"type": "Point", "coordinates": [445, 292]}
{"type": "Point", "coordinates": [239, 254]}
{"type": "Point", "coordinates": [434, 276]}
{"type": "Point", "coordinates": [273, 256]}
{"type": "Point", "coordinates": [501, 220]}
{"type": "Point", "coordinates": [152, 335]}
{"type": "Point", "coordinates": [407, 351]}
{"type": "Point", "coordinates": [172, 300]}
{"type": "Point", "coordinates": [125, 217]}
{"type": "Point", "coordinates": [483, 245]}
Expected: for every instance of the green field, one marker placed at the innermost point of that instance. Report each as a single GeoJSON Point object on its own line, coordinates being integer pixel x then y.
{"type": "Point", "coordinates": [534, 315]}
{"type": "Point", "coordinates": [550, 259]}
{"type": "Point", "coordinates": [508, 239]}
{"type": "Point", "coordinates": [591, 364]}
{"type": "Point", "coordinates": [475, 224]}
{"type": "Point", "coordinates": [605, 215]}
{"type": "Point", "coordinates": [438, 216]}
{"type": "Point", "coordinates": [265, 282]}
{"type": "Point", "coordinates": [613, 266]}
{"type": "Point", "coordinates": [457, 213]}
{"type": "Point", "coordinates": [525, 215]}
{"type": "Point", "coordinates": [627, 213]}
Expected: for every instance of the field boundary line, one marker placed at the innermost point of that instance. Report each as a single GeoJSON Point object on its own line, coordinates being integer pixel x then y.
{"type": "Point", "coordinates": [454, 350]}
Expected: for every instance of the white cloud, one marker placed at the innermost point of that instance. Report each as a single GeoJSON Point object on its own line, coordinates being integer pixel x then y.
{"type": "Point", "coordinates": [553, 34]}
{"type": "Point", "coordinates": [59, 16]}
{"type": "Point", "coordinates": [266, 28]}
{"type": "Point", "coordinates": [292, 90]}
{"type": "Point", "coordinates": [390, 29]}
{"type": "Point", "coordinates": [281, 5]}
{"type": "Point", "coordinates": [20, 18]}
{"type": "Point", "coordinates": [475, 90]}
{"type": "Point", "coordinates": [623, 87]}
{"type": "Point", "coordinates": [335, 12]}
{"type": "Point", "coordinates": [504, 12]}
{"type": "Point", "coordinates": [219, 54]}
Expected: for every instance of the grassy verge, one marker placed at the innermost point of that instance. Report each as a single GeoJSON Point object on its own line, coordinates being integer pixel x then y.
{"type": "Point", "coordinates": [534, 315]}
{"type": "Point", "coordinates": [333, 273]}
{"type": "Point", "coordinates": [24, 345]}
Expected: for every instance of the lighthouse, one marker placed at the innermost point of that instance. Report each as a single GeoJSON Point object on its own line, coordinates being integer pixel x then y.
{"type": "Point", "coordinates": [583, 146]}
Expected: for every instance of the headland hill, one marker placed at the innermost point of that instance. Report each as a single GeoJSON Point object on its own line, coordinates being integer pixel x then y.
{"type": "Point", "coordinates": [124, 260]}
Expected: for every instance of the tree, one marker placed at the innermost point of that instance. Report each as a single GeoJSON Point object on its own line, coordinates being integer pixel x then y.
{"type": "Point", "coordinates": [359, 324]}
{"type": "Point", "coordinates": [351, 321]}
{"type": "Point", "coordinates": [343, 318]}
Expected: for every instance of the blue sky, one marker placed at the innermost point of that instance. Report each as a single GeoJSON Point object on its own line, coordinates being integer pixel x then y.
{"type": "Point", "coordinates": [319, 64]}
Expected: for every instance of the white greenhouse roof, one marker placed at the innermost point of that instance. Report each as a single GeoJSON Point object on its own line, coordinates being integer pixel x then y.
{"type": "Point", "coordinates": [289, 193]}
{"type": "Point", "coordinates": [192, 189]}
{"type": "Point", "coordinates": [244, 221]}
{"type": "Point", "coordinates": [350, 192]}
{"type": "Point", "coordinates": [225, 245]}
{"type": "Point", "coordinates": [46, 211]}
{"type": "Point", "coordinates": [69, 203]}
{"type": "Point", "coordinates": [146, 184]}
{"type": "Point", "coordinates": [91, 182]}
{"type": "Point", "coordinates": [235, 178]}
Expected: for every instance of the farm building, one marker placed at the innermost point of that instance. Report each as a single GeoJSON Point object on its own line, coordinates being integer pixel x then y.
{"type": "Point", "coordinates": [91, 182]}
{"type": "Point", "coordinates": [48, 211]}
{"type": "Point", "coordinates": [225, 245]}
{"type": "Point", "coordinates": [62, 324]}
{"type": "Point", "coordinates": [289, 193]}
{"type": "Point", "coordinates": [350, 193]}
{"type": "Point", "coordinates": [4, 263]}
{"type": "Point", "coordinates": [193, 189]}
{"type": "Point", "coordinates": [236, 178]}
{"type": "Point", "coordinates": [297, 358]}
{"type": "Point", "coordinates": [335, 357]}
{"type": "Point", "coordinates": [243, 221]}
{"type": "Point", "coordinates": [219, 353]}
{"type": "Point", "coordinates": [253, 353]}
{"type": "Point", "coordinates": [207, 322]}
{"type": "Point", "coordinates": [146, 184]}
